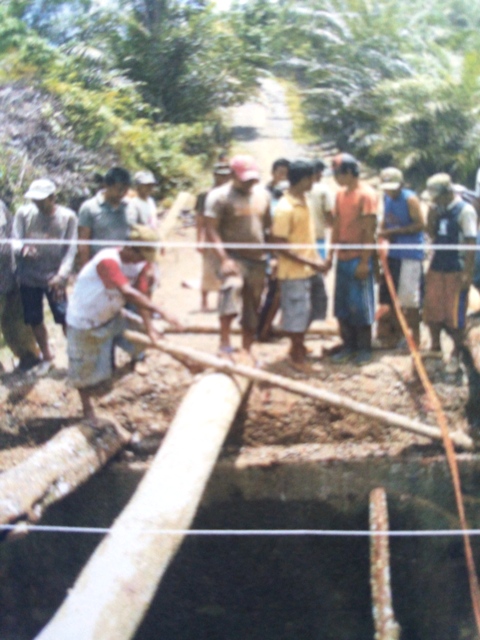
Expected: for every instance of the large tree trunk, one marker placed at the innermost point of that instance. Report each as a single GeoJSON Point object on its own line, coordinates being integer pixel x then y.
{"type": "Point", "coordinates": [65, 462]}
{"type": "Point", "coordinates": [115, 588]}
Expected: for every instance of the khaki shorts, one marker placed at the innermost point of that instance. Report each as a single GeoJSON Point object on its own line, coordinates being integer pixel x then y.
{"type": "Point", "coordinates": [445, 301]}
{"type": "Point", "coordinates": [210, 269]}
{"type": "Point", "coordinates": [90, 353]}
{"type": "Point", "coordinates": [410, 284]}
{"type": "Point", "coordinates": [241, 295]}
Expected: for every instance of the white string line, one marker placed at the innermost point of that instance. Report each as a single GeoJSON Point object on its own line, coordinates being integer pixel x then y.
{"type": "Point", "coordinates": [23, 527]}
{"type": "Point", "coordinates": [17, 244]}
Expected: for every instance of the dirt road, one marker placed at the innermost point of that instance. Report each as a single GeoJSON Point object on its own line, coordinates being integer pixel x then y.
{"type": "Point", "coordinates": [263, 128]}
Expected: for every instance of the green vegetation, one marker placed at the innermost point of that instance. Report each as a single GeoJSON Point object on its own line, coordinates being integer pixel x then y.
{"type": "Point", "coordinates": [393, 81]}
{"type": "Point", "coordinates": [146, 80]}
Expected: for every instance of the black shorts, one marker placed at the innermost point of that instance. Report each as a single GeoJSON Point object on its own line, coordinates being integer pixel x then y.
{"type": "Point", "coordinates": [32, 301]}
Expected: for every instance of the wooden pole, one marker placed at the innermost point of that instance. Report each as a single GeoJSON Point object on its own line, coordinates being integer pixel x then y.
{"type": "Point", "coordinates": [317, 329]}
{"type": "Point", "coordinates": [56, 469]}
{"type": "Point", "coordinates": [184, 200]}
{"type": "Point", "coordinates": [389, 418]}
{"type": "Point", "coordinates": [386, 628]}
{"type": "Point", "coordinates": [115, 588]}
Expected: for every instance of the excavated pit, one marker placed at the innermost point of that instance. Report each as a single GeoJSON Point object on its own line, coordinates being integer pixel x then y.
{"type": "Point", "coordinates": [275, 587]}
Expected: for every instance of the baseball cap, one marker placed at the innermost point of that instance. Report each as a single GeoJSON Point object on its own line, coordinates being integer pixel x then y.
{"type": "Point", "coordinates": [222, 169]}
{"type": "Point", "coordinates": [142, 233]}
{"type": "Point", "coordinates": [439, 184]}
{"type": "Point", "coordinates": [41, 189]}
{"type": "Point", "coordinates": [245, 168]}
{"type": "Point", "coordinates": [144, 177]}
{"type": "Point", "coordinates": [391, 179]}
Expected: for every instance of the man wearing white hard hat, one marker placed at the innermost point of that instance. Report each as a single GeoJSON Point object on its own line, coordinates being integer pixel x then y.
{"type": "Point", "coordinates": [44, 265]}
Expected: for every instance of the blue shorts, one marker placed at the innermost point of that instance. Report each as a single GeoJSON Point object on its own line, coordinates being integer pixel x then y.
{"type": "Point", "coordinates": [354, 298]}
{"type": "Point", "coordinates": [32, 301]}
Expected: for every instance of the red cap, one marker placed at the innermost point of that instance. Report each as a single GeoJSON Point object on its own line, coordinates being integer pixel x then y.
{"type": "Point", "coordinates": [245, 168]}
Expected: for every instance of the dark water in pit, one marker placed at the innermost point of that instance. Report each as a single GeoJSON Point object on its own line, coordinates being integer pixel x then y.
{"type": "Point", "coordinates": [256, 588]}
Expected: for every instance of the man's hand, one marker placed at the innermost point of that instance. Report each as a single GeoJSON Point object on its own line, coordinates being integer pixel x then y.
{"type": "Point", "coordinates": [229, 267]}
{"type": "Point", "coordinates": [173, 321]}
{"type": "Point", "coordinates": [328, 264]}
{"type": "Point", "coordinates": [29, 251]}
{"type": "Point", "coordinates": [57, 287]}
{"type": "Point", "coordinates": [154, 335]}
{"type": "Point", "coordinates": [362, 271]}
{"type": "Point", "coordinates": [466, 280]}
{"type": "Point", "coordinates": [320, 266]}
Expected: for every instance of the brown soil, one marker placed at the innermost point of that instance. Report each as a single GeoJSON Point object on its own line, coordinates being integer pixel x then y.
{"type": "Point", "coordinates": [288, 425]}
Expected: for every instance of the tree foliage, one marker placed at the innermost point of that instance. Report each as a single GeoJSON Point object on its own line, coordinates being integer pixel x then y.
{"type": "Point", "coordinates": [393, 81]}
{"type": "Point", "coordinates": [143, 78]}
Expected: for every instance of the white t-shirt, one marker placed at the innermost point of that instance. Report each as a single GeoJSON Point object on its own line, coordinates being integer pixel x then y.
{"type": "Point", "coordinates": [96, 298]}
{"type": "Point", "coordinates": [320, 201]}
{"type": "Point", "coordinates": [142, 212]}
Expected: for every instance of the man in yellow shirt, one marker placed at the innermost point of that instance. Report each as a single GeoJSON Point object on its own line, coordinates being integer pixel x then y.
{"type": "Point", "coordinates": [303, 296]}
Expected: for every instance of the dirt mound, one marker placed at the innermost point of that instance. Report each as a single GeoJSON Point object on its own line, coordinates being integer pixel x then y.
{"type": "Point", "coordinates": [38, 141]}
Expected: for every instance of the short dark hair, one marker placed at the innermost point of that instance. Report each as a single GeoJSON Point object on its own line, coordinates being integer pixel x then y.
{"type": "Point", "coordinates": [117, 175]}
{"type": "Point", "coordinates": [346, 163]}
{"type": "Point", "coordinates": [298, 170]}
{"type": "Point", "coordinates": [280, 162]}
{"type": "Point", "coordinates": [319, 166]}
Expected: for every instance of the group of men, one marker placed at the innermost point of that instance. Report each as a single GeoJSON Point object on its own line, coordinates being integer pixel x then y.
{"type": "Point", "coordinates": [115, 268]}
{"type": "Point", "coordinates": [246, 232]}
{"type": "Point", "coordinates": [245, 224]}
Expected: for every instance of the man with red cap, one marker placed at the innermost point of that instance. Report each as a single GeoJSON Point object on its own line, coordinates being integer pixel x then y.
{"type": "Point", "coordinates": [238, 213]}
{"type": "Point", "coordinates": [354, 223]}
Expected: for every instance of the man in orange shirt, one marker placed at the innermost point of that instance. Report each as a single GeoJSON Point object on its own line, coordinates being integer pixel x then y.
{"type": "Point", "coordinates": [354, 223]}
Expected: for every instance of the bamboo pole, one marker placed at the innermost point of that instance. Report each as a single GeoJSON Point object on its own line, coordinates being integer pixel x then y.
{"type": "Point", "coordinates": [115, 588]}
{"type": "Point", "coordinates": [184, 200]}
{"type": "Point", "coordinates": [61, 465]}
{"type": "Point", "coordinates": [386, 628]}
{"type": "Point", "coordinates": [388, 418]}
{"type": "Point", "coordinates": [317, 329]}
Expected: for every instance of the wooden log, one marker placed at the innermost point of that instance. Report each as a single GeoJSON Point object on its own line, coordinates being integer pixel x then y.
{"type": "Point", "coordinates": [317, 329]}
{"type": "Point", "coordinates": [389, 418]}
{"type": "Point", "coordinates": [115, 588]}
{"type": "Point", "coordinates": [61, 465]}
{"type": "Point", "coordinates": [386, 628]}
{"type": "Point", "coordinates": [183, 201]}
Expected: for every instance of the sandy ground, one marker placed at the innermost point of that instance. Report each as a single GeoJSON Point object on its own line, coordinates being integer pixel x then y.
{"type": "Point", "coordinates": [36, 408]}
{"type": "Point", "coordinates": [274, 421]}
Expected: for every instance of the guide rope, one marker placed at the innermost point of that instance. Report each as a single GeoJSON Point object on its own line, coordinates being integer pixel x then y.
{"type": "Point", "coordinates": [447, 441]}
